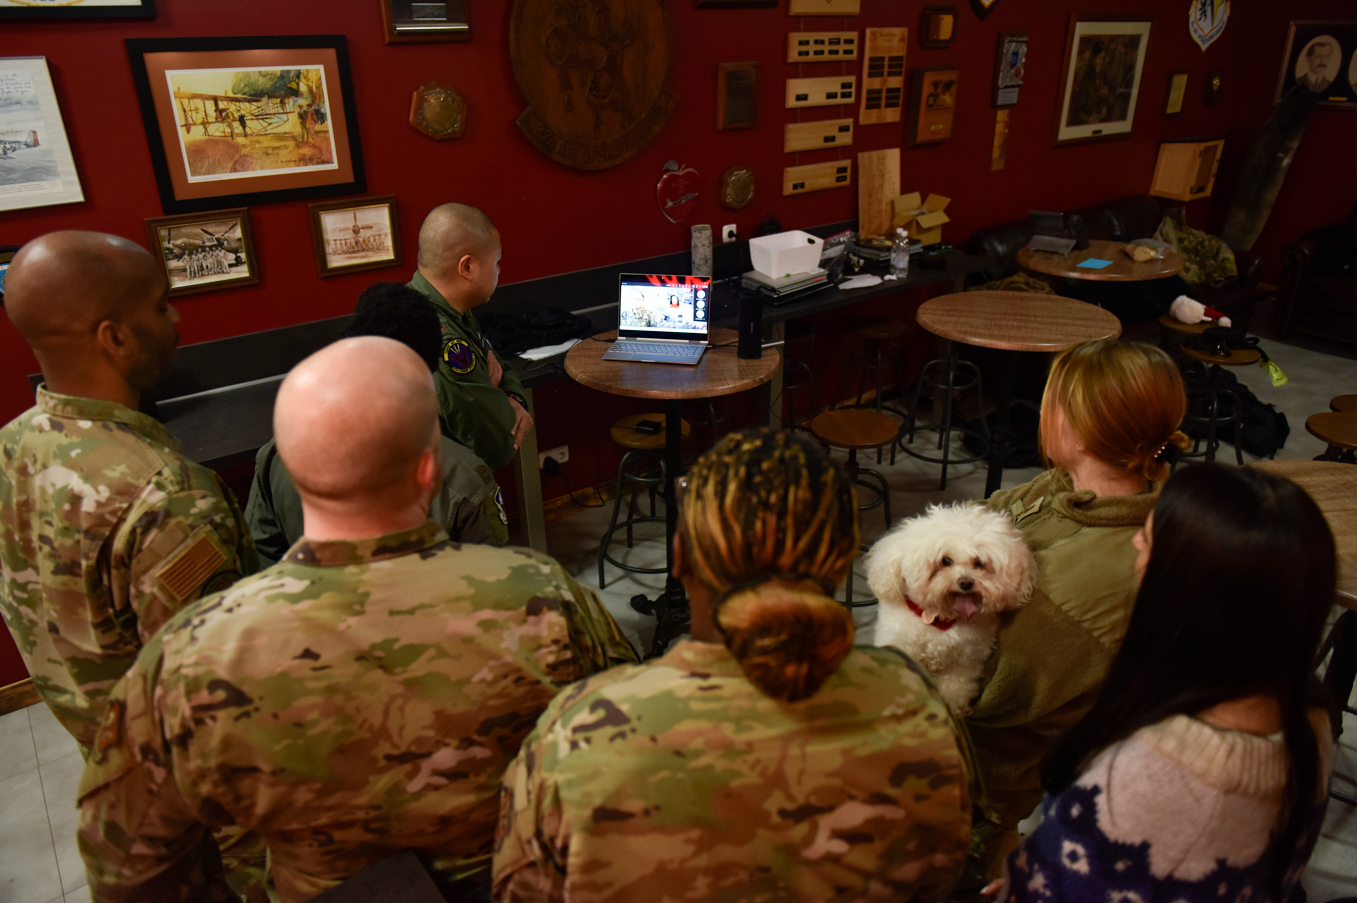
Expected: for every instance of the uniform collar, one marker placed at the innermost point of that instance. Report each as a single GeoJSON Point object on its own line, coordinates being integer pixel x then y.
{"type": "Point", "coordinates": [77, 407]}
{"type": "Point", "coordinates": [426, 288]}
{"type": "Point", "coordinates": [343, 552]}
{"type": "Point", "coordinates": [702, 659]}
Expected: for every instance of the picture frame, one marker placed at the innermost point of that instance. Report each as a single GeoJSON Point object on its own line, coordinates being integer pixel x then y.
{"type": "Point", "coordinates": [932, 105]}
{"type": "Point", "coordinates": [7, 253]}
{"type": "Point", "coordinates": [1103, 66]}
{"type": "Point", "coordinates": [937, 27]}
{"type": "Point", "coordinates": [238, 121]}
{"type": "Point", "coordinates": [36, 166]}
{"type": "Point", "coordinates": [982, 8]}
{"type": "Point", "coordinates": [1177, 92]}
{"type": "Point", "coordinates": [734, 4]}
{"type": "Point", "coordinates": [358, 234]}
{"type": "Point", "coordinates": [1010, 68]}
{"type": "Point", "coordinates": [79, 9]}
{"type": "Point", "coordinates": [416, 22]}
{"type": "Point", "coordinates": [204, 252]}
{"type": "Point", "coordinates": [1308, 40]}
{"type": "Point", "coordinates": [737, 96]}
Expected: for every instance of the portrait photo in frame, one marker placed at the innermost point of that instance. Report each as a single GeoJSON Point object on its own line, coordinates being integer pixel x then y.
{"type": "Point", "coordinates": [1104, 62]}
{"type": "Point", "coordinates": [36, 167]}
{"type": "Point", "coordinates": [203, 252]}
{"type": "Point", "coordinates": [77, 9]}
{"type": "Point", "coordinates": [355, 235]}
{"type": "Point", "coordinates": [1322, 56]}
{"type": "Point", "coordinates": [248, 120]}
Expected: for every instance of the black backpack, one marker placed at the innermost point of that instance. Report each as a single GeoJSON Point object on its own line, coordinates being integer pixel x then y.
{"type": "Point", "coordinates": [514, 334]}
{"type": "Point", "coordinates": [1262, 430]}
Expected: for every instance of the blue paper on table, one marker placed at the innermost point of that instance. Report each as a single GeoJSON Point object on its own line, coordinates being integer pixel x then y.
{"type": "Point", "coordinates": [1095, 263]}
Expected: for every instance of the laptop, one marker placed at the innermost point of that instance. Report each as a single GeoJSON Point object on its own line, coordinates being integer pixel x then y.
{"type": "Point", "coordinates": [1051, 234]}
{"type": "Point", "coordinates": [661, 319]}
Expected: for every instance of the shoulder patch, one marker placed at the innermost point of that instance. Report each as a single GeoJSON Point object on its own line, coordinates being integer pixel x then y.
{"type": "Point", "coordinates": [459, 357]}
{"type": "Point", "coordinates": [190, 567]}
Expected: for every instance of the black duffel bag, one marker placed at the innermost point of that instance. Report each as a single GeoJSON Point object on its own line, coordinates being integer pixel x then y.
{"type": "Point", "coordinates": [516, 333]}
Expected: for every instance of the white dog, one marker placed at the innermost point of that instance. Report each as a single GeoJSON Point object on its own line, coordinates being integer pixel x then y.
{"type": "Point", "coordinates": [942, 578]}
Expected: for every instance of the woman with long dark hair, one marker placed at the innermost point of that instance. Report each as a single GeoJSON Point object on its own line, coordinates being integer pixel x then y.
{"type": "Point", "coordinates": [1200, 772]}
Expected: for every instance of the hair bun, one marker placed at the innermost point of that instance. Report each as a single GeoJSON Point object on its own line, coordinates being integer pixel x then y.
{"type": "Point", "coordinates": [787, 640]}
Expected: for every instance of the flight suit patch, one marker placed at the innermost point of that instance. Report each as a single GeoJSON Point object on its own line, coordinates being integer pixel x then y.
{"type": "Point", "coordinates": [459, 357]}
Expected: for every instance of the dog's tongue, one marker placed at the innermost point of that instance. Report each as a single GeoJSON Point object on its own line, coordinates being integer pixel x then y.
{"type": "Point", "coordinates": [965, 605]}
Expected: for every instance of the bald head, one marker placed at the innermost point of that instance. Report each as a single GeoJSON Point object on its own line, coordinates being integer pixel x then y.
{"type": "Point", "coordinates": [353, 422]}
{"type": "Point", "coordinates": [450, 232]}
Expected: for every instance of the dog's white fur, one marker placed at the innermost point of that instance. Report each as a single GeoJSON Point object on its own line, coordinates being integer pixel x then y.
{"type": "Point", "coordinates": [951, 561]}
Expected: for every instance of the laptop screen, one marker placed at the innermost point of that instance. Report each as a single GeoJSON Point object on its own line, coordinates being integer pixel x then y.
{"type": "Point", "coordinates": [663, 307]}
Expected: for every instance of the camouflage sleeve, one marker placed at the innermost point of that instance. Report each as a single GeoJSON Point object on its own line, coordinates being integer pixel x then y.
{"type": "Point", "coordinates": [529, 865]}
{"type": "Point", "coordinates": [139, 838]}
{"type": "Point", "coordinates": [598, 641]}
{"type": "Point", "coordinates": [260, 511]}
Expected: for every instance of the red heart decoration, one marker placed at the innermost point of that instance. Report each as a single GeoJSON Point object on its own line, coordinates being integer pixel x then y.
{"type": "Point", "coordinates": [676, 192]}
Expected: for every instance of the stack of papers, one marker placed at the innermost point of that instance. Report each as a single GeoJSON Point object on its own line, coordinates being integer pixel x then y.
{"type": "Point", "coordinates": [784, 285]}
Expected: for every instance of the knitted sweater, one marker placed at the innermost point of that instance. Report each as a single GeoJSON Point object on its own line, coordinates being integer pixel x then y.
{"type": "Point", "coordinates": [1178, 811]}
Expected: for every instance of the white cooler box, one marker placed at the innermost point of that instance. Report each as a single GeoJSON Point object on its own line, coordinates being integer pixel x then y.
{"type": "Point", "coordinates": [785, 253]}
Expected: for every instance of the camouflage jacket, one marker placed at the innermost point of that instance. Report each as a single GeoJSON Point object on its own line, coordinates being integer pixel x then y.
{"type": "Point", "coordinates": [678, 781]}
{"type": "Point", "coordinates": [106, 530]}
{"type": "Point", "coordinates": [354, 700]}
{"type": "Point", "coordinates": [469, 506]}
{"type": "Point", "coordinates": [472, 410]}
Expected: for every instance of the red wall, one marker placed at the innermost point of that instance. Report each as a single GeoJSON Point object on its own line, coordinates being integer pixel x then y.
{"type": "Point", "coordinates": [555, 219]}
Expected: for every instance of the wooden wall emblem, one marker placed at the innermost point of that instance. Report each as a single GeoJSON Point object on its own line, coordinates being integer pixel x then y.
{"type": "Point", "coordinates": [817, 135]}
{"type": "Point", "coordinates": [817, 176]}
{"type": "Point", "coordinates": [737, 96]}
{"type": "Point", "coordinates": [594, 75]}
{"type": "Point", "coordinates": [883, 75]}
{"type": "Point", "coordinates": [821, 46]}
{"type": "Point", "coordinates": [438, 112]}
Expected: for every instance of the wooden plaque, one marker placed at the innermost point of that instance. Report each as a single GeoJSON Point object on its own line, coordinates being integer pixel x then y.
{"type": "Point", "coordinates": [596, 88]}
{"type": "Point", "coordinates": [821, 46]}
{"type": "Point", "coordinates": [414, 22]}
{"type": "Point", "coordinates": [932, 101]}
{"type": "Point", "coordinates": [737, 96]}
{"type": "Point", "coordinates": [804, 136]}
{"type": "Point", "coordinates": [823, 7]}
{"type": "Point", "coordinates": [821, 92]}
{"type": "Point", "coordinates": [883, 75]}
{"type": "Point", "coordinates": [737, 187]}
{"type": "Point", "coordinates": [878, 187]}
{"type": "Point", "coordinates": [817, 177]}
{"type": "Point", "coordinates": [438, 111]}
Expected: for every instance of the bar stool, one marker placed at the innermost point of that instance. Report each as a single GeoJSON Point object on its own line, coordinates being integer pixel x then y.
{"type": "Point", "coordinates": [1338, 429]}
{"type": "Point", "coordinates": [947, 387]}
{"type": "Point", "coordinates": [880, 341]}
{"type": "Point", "coordinates": [708, 414]}
{"type": "Point", "coordinates": [642, 465]}
{"type": "Point", "coordinates": [854, 429]}
{"type": "Point", "coordinates": [798, 377]}
{"type": "Point", "coordinates": [1343, 404]}
{"type": "Point", "coordinates": [1204, 404]}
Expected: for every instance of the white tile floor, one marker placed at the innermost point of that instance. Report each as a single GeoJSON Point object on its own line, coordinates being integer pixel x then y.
{"type": "Point", "coordinates": [40, 766]}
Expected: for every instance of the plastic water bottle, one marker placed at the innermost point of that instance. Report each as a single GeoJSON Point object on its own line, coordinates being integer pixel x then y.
{"type": "Point", "coordinates": [900, 255]}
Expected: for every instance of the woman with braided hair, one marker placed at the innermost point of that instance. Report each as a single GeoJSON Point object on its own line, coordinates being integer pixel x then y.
{"type": "Point", "coordinates": [766, 757]}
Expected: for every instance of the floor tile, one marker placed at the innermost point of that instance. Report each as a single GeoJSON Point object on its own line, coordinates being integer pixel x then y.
{"type": "Point", "coordinates": [28, 865]}
{"type": "Point", "coordinates": [16, 744]}
{"type": "Point", "coordinates": [51, 740]}
{"type": "Point", "coordinates": [78, 896]}
{"type": "Point", "coordinates": [60, 783]}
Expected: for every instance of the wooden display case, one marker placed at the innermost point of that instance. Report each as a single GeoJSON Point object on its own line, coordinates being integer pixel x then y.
{"type": "Point", "coordinates": [1186, 170]}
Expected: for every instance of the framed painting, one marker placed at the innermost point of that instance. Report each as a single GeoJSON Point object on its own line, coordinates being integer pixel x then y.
{"type": "Point", "coordinates": [248, 120]}
{"type": "Point", "coordinates": [1104, 61]}
{"type": "Point", "coordinates": [203, 252]}
{"type": "Point", "coordinates": [36, 167]}
{"type": "Point", "coordinates": [77, 9]}
{"type": "Point", "coordinates": [355, 235]}
{"type": "Point", "coordinates": [1322, 57]}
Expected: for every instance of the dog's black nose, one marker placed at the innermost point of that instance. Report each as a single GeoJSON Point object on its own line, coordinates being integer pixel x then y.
{"type": "Point", "coordinates": [965, 585]}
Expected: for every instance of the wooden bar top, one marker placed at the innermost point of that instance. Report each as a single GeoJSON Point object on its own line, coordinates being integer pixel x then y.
{"type": "Point", "coordinates": [1016, 321]}
{"type": "Point", "coordinates": [720, 371]}
{"type": "Point", "coordinates": [1333, 486]}
{"type": "Point", "coordinates": [1123, 268]}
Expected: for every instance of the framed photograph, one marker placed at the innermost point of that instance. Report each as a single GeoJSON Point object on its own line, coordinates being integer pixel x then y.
{"type": "Point", "coordinates": [77, 9]}
{"type": "Point", "coordinates": [1104, 60]}
{"type": "Point", "coordinates": [1173, 103]}
{"type": "Point", "coordinates": [932, 104]}
{"type": "Point", "coordinates": [937, 27]}
{"type": "Point", "coordinates": [202, 252]}
{"type": "Point", "coordinates": [737, 96]}
{"type": "Point", "coordinates": [248, 120]}
{"type": "Point", "coordinates": [7, 253]}
{"type": "Point", "coordinates": [36, 167]}
{"type": "Point", "coordinates": [355, 235]}
{"type": "Point", "coordinates": [1321, 56]}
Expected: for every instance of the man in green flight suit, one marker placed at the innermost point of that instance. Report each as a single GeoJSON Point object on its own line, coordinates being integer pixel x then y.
{"type": "Point", "coordinates": [468, 505]}
{"type": "Point", "coordinates": [481, 404]}
{"type": "Point", "coordinates": [359, 698]}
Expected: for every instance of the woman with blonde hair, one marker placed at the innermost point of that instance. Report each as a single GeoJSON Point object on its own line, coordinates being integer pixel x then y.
{"type": "Point", "coordinates": [765, 758]}
{"type": "Point", "coordinates": [1109, 426]}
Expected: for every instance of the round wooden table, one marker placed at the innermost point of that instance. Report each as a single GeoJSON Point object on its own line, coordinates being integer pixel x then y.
{"type": "Point", "coordinates": [1013, 322]}
{"type": "Point", "coordinates": [720, 372]}
{"type": "Point", "coordinates": [1338, 429]}
{"type": "Point", "coordinates": [1123, 268]}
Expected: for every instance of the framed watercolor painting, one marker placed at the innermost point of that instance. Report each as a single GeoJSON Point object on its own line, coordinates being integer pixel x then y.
{"type": "Point", "coordinates": [361, 234]}
{"type": "Point", "coordinates": [36, 167]}
{"type": "Point", "coordinates": [77, 9]}
{"type": "Point", "coordinates": [248, 120]}
{"type": "Point", "coordinates": [1104, 61]}
{"type": "Point", "coordinates": [202, 252]}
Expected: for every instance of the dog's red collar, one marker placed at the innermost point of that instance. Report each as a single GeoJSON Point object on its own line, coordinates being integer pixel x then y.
{"type": "Point", "coordinates": [938, 623]}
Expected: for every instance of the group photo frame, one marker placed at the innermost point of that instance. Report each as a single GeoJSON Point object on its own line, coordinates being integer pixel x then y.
{"type": "Point", "coordinates": [77, 9]}
{"type": "Point", "coordinates": [203, 252]}
{"type": "Point", "coordinates": [355, 235]}
{"type": "Point", "coordinates": [1101, 76]}
{"type": "Point", "coordinates": [237, 121]}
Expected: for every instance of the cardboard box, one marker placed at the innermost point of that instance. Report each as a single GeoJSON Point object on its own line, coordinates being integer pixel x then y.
{"type": "Point", "coordinates": [922, 219]}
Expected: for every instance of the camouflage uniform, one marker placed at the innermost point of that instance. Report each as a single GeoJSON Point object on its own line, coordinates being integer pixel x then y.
{"type": "Point", "coordinates": [106, 530]}
{"type": "Point", "coordinates": [473, 411]}
{"type": "Point", "coordinates": [357, 699]}
{"type": "Point", "coordinates": [470, 506]}
{"type": "Point", "coordinates": [677, 780]}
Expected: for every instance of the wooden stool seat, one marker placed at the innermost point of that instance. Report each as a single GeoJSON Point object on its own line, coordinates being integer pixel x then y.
{"type": "Point", "coordinates": [624, 432]}
{"type": "Point", "coordinates": [855, 428]}
{"type": "Point", "coordinates": [1338, 429]}
{"type": "Point", "coordinates": [1346, 404]}
{"type": "Point", "coordinates": [1239, 357]}
{"type": "Point", "coordinates": [1186, 328]}
{"type": "Point", "coordinates": [880, 329]}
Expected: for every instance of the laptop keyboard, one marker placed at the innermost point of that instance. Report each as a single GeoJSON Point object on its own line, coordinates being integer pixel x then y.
{"type": "Point", "coordinates": [650, 348]}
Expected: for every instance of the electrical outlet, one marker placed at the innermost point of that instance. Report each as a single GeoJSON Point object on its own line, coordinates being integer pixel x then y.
{"type": "Point", "coordinates": [560, 454]}
{"type": "Point", "coordinates": [728, 234]}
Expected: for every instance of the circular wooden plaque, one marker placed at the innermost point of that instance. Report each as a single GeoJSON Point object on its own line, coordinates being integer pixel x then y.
{"type": "Point", "coordinates": [593, 73]}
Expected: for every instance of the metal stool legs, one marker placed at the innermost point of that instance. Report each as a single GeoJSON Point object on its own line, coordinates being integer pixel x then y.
{"type": "Point", "coordinates": [1209, 415]}
{"type": "Point", "coordinates": [947, 390]}
{"type": "Point", "coordinates": [799, 377]}
{"type": "Point", "coordinates": [654, 482]}
{"type": "Point", "coordinates": [867, 479]}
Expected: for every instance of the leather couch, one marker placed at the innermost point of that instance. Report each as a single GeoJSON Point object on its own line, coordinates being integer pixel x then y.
{"type": "Point", "coordinates": [1122, 220]}
{"type": "Point", "coordinates": [1318, 288]}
